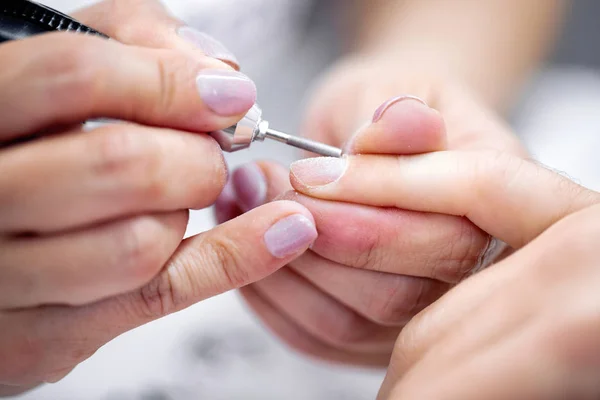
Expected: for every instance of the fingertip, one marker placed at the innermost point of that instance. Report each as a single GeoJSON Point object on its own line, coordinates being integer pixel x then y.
{"type": "Point", "coordinates": [401, 125]}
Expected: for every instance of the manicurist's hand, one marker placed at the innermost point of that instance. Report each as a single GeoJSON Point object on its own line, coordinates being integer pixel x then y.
{"type": "Point", "coordinates": [91, 222]}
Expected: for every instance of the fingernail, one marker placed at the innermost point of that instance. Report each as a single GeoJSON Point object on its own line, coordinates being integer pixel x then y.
{"type": "Point", "coordinates": [208, 45]}
{"type": "Point", "coordinates": [225, 205]}
{"type": "Point", "coordinates": [290, 235]}
{"type": "Point", "coordinates": [250, 186]}
{"type": "Point", "coordinates": [384, 107]}
{"type": "Point", "coordinates": [318, 171]}
{"type": "Point", "coordinates": [226, 93]}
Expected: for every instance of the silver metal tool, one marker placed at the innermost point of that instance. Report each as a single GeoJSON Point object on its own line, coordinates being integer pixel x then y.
{"type": "Point", "coordinates": [253, 128]}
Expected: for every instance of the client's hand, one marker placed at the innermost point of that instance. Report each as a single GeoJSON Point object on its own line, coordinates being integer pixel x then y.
{"type": "Point", "coordinates": [375, 265]}
{"type": "Point", "coordinates": [528, 327]}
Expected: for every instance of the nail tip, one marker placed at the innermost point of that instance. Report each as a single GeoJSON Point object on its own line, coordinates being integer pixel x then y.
{"type": "Point", "coordinates": [318, 171]}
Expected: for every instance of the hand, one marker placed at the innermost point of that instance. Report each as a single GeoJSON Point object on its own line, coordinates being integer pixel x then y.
{"type": "Point", "coordinates": [372, 268]}
{"type": "Point", "coordinates": [91, 223]}
{"type": "Point", "coordinates": [526, 328]}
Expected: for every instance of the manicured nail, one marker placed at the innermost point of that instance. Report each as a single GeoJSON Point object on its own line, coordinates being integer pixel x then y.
{"type": "Point", "coordinates": [383, 108]}
{"type": "Point", "coordinates": [226, 205]}
{"type": "Point", "coordinates": [318, 171]}
{"type": "Point", "coordinates": [208, 45]}
{"type": "Point", "coordinates": [290, 235]}
{"type": "Point", "coordinates": [226, 93]}
{"type": "Point", "coordinates": [250, 186]}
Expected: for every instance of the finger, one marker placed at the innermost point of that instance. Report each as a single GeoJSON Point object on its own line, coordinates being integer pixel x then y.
{"type": "Point", "coordinates": [229, 256]}
{"type": "Point", "coordinates": [250, 186]}
{"type": "Point", "coordinates": [509, 283]}
{"type": "Point", "coordinates": [300, 340]}
{"type": "Point", "coordinates": [441, 247]}
{"type": "Point", "coordinates": [383, 298]}
{"type": "Point", "coordinates": [508, 197]}
{"type": "Point", "coordinates": [62, 78]}
{"type": "Point", "coordinates": [401, 125]}
{"type": "Point", "coordinates": [85, 266]}
{"type": "Point", "coordinates": [147, 23]}
{"type": "Point", "coordinates": [322, 316]}
{"type": "Point", "coordinates": [257, 183]}
{"type": "Point", "coordinates": [123, 169]}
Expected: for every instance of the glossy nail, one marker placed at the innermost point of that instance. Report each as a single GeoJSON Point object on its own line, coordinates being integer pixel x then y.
{"type": "Point", "coordinates": [384, 107]}
{"type": "Point", "coordinates": [226, 93]}
{"type": "Point", "coordinates": [320, 171]}
{"type": "Point", "coordinates": [208, 45]}
{"type": "Point", "coordinates": [250, 186]}
{"type": "Point", "coordinates": [290, 235]}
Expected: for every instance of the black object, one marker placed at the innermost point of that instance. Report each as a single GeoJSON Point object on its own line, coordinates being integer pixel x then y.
{"type": "Point", "coordinates": [23, 18]}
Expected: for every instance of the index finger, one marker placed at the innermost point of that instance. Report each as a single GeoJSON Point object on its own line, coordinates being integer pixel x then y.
{"type": "Point", "coordinates": [62, 78]}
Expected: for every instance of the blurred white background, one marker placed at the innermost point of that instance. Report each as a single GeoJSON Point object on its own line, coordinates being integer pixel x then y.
{"type": "Point", "coordinates": [216, 350]}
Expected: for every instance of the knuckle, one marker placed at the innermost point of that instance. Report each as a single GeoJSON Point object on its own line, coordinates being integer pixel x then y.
{"type": "Point", "coordinates": [222, 255]}
{"type": "Point", "coordinates": [460, 253]}
{"type": "Point", "coordinates": [139, 253]}
{"type": "Point", "coordinates": [203, 192]}
{"type": "Point", "coordinates": [159, 297]}
{"type": "Point", "coordinates": [128, 160]}
{"type": "Point", "coordinates": [396, 300]}
{"type": "Point", "coordinates": [367, 244]}
{"type": "Point", "coordinates": [493, 168]}
{"type": "Point", "coordinates": [76, 73]}
{"type": "Point", "coordinates": [171, 70]}
{"type": "Point", "coordinates": [208, 269]}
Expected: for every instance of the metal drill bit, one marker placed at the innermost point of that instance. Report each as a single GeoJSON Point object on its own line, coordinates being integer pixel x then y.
{"type": "Point", "coordinates": [304, 144]}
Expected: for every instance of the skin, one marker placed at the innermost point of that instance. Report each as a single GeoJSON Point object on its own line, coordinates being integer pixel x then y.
{"type": "Point", "coordinates": [92, 222]}
{"type": "Point", "coordinates": [434, 55]}
{"type": "Point", "coordinates": [470, 344]}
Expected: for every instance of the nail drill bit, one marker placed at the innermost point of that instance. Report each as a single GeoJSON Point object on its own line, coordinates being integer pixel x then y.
{"type": "Point", "coordinates": [253, 128]}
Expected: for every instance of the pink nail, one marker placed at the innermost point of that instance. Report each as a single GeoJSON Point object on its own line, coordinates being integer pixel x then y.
{"type": "Point", "coordinates": [226, 205]}
{"type": "Point", "coordinates": [226, 93]}
{"type": "Point", "coordinates": [250, 186]}
{"type": "Point", "coordinates": [383, 108]}
{"type": "Point", "coordinates": [290, 235]}
{"type": "Point", "coordinates": [320, 171]}
{"type": "Point", "coordinates": [208, 45]}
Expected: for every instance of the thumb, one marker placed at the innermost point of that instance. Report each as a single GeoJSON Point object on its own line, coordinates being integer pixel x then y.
{"type": "Point", "coordinates": [232, 255]}
{"type": "Point", "coordinates": [401, 125]}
